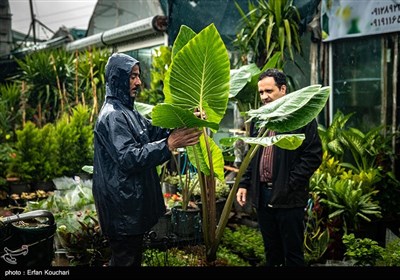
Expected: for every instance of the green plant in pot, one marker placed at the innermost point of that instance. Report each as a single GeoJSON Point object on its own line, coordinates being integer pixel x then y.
{"type": "Point", "coordinates": [198, 79]}
{"type": "Point", "coordinates": [36, 155]}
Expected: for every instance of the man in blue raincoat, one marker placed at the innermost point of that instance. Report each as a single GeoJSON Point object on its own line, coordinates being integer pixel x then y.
{"type": "Point", "coordinates": [127, 150]}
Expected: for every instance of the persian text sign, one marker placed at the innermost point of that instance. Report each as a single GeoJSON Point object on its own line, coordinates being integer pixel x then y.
{"type": "Point", "coordinates": [354, 18]}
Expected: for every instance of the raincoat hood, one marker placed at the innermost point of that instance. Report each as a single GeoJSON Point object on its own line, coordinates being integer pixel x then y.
{"type": "Point", "coordinates": [118, 71]}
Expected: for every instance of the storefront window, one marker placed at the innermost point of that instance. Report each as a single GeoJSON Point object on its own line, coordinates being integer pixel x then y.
{"type": "Point", "coordinates": [357, 85]}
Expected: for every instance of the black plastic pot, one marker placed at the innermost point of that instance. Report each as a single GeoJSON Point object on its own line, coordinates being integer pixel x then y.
{"type": "Point", "coordinates": [27, 239]}
{"type": "Point", "coordinates": [186, 223]}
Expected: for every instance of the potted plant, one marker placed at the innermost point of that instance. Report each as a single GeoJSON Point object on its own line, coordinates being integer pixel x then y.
{"type": "Point", "coordinates": [30, 236]}
{"type": "Point", "coordinates": [35, 160]}
{"type": "Point", "coordinates": [185, 214]}
{"type": "Point", "coordinates": [362, 251]}
{"type": "Point", "coordinates": [25, 159]}
{"type": "Point", "coordinates": [222, 190]}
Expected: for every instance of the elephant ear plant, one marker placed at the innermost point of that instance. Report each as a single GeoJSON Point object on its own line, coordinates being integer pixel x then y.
{"type": "Point", "coordinates": [198, 79]}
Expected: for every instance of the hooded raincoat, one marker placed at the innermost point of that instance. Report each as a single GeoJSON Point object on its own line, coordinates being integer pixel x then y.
{"type": "Point", "coordinates": [127, 149]}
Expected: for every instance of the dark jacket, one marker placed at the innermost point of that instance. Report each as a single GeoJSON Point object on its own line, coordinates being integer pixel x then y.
{"type": "Point", "coordinates": [291, 172]}
{"type": "Point", "coordinates": [127, 149]}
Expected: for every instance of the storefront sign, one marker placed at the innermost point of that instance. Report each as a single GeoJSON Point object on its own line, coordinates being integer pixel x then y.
{"type": "Point", "coordinates": [354, 18]}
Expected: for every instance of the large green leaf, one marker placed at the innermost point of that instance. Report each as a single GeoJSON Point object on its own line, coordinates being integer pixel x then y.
{"type": "Point", "coordinates": [199, 74]}
{"type": "Point", "coordinates": [144, 109]}
{"type": "Point", "coordinates": [216, 155]}
{"type": "Point", "coordinates": [178, 117]}
{"type": "Point", "coordinates": [240, 77]}
{"type": "Point", "coordinates": [184, 36]}
{"type": "Point", "coordinates": [293, 110]}
{"type": "Point", "coordinates": [198, 78]}
{"type": "Point", "coordinates": [244, 80]}
{"type": "Point", "coordinates": [284, 141]}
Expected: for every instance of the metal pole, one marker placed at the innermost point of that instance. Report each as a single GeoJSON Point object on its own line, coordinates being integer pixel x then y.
{"type": "Point", "coordinates": [33, 21]}
{"type": "Point", "coordinates": [394, 81]}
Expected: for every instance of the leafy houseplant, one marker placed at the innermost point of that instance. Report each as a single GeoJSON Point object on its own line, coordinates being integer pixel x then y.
{"type": "Point", "coordinates": [57, 80]}
{"type": "Point", "coordinates": [183, 186]}
{"type": "Point", "coordinates": [364, 252]}
{"type": "Point", "coordinates": [6, 153]}
{"type": "Point", "coordinates": [246, 242]}
{"type": "Point", "coordinates": [316, 234]}
{"type": "Point", "coordinates": [182, 182]}
{"type": "Point", "coordinates": [364, 157]}
{"type": "Point", "coordinates": [390, 255]}
{"type": "Point", "coordinates": [78, 229]}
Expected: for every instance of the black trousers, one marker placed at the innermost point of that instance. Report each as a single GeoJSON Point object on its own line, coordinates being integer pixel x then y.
{"type": "Point", "coordinates": [282, 230]}
{"type": "Point", "coordinates": [127, 251]}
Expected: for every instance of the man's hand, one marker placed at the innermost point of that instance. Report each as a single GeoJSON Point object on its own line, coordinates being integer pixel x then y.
{"type": "Point", "coordinates": [201, 115]}
{"type": "Point", "coordinates": [241, 196]}
{"type": "Point", "coordinates": [183, 137]}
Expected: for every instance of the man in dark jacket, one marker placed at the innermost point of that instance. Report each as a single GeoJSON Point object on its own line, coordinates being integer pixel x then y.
{"type": "Point", "coordinates": [278, 180]}
{"type": "Point", "coordinates": [127, 150]}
